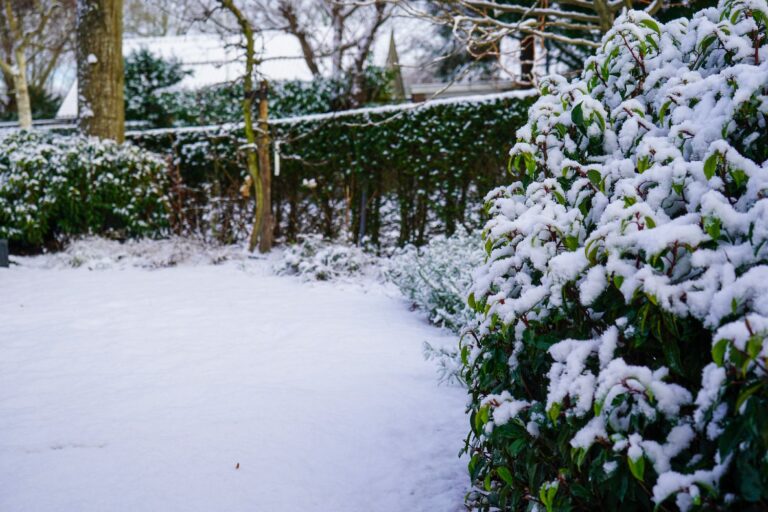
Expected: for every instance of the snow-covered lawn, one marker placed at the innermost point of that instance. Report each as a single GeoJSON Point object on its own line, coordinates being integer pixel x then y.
{"type": "Point", "coordinates": [142, 390]}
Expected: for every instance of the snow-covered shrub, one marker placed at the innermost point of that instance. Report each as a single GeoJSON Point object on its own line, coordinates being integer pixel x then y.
{"type": "Point", "coordinates": [316, 259]}
{"type": "Point", "coordinates": [437, 276]}
{"type": "Point", "coordinates": [53, 187]}
{"type": "Point", "coordinates": [96, 253]}
{"type": "Point", "coordinates": [621, 361]}
{"type": "Point", "coordinates": [149, 84]}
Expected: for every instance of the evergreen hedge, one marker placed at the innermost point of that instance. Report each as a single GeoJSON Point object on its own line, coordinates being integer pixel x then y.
{"type": "Point", "coordinates": [403, 172]}
{"type": "Point", "coordinates": [621, 361]}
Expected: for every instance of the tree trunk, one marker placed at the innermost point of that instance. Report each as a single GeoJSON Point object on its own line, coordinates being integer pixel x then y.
{"type": "Point", "coordinates": [100, 68]}
{"type": "Point", "coordinates": [20, 86]}
{"type": "Point", "coordinates": [265, 241]}
{"type": "Point", "coordinates": [257, 164]}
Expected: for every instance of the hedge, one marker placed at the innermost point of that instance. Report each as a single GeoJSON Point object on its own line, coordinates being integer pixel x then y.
{"type": "Point", "coordinates": [55, 187]}
{"type": "Point", "coordinates": [621, 359]}
{"type": "Point", "coordinates": [392, 175]}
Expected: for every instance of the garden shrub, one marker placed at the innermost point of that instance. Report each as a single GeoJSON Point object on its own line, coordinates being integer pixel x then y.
{"type": "Point", "coordinates": [96, 253]}
{"type": "Point", "coordinates": [313, 258]}
{"type": "Point", "coordinates": [53, 187]}
{"type": "Point", "coordinates": [620, 362]}
{"type": "Point", "coordinates": [436, 277]}
{"type": "Point", "coordinates": [149, 84]}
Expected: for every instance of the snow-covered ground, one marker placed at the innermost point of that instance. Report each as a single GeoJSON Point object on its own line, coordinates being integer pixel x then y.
{"type": "Point", "coordinates": [127, 389]}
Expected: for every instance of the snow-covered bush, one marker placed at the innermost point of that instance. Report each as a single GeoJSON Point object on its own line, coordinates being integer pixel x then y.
{"type": "Point", "coordinates": [316, 259]}
{"type": "Point", "coordinates": [621, 361]}
{"type": "Point", "coordinates": [96, 253]}
{"type": "Point", "coordinates": [437, 276]}
{"type": "Point", "coordinates": [149, 84]}
{"type": "Point", "coordinates": [53, 187]}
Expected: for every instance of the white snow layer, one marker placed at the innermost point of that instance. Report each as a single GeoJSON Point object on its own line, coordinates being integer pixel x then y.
{"type": "Point", "coordinates": [136, 390]}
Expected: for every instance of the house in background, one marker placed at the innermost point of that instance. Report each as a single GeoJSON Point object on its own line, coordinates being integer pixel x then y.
{"type": "Point", "coordinates": [214, 60]}
{"type": "Point", "coordinates": [434, 90]}
{"type": "Point", "coordinates": [211, 60]}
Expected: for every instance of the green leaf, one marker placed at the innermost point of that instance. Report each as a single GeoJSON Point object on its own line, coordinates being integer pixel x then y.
{"type": "Point", "coordinates": [471, 301]}
{"type": "Point", "coordinates": [710, 166]}
{"type": "Point", "coordinates": [600, 120]}
{"type": "Point", "coordinates": [577, 115]}
{"type": "Point", "coordinates": [754, 346]}
{"type": "Point", "coordinates": [739, 177]}
{"type": "Point", "coordinates": [594, 177]}
{"type": "Point", "coordinates": [663, 111]}
{"type": "Point", "coordinates": [718, 351]}
{"type": "Point", "coordinates": [637, 467]}
{"type": "Point", "coordinates": [547, 494]}
{"type": "Point", "coordinates": [652, 25]}
{"type": "Point", "coordinates": [745, 394]}
{"type": "Point", "coordinates": [643, 164]}
{"type": "Point", "coordinates": [618, 281]}
{"type": "Point", "coordinates": [554, 412]}
{"type": "Point", "coordinates": [505, 475]}
{"type": "Point", "coordinates": [749, 480]}
{"type": "Point", "coordinates": [649, 222]}
{"type": "Point", "coordinates": [572, 243]}
{"type": "Point", "coordinates": [712, 227]}
{"type": "Point", "coordinates": [474, 466]}
{"type": "Point", "coordinates": [530, 164]}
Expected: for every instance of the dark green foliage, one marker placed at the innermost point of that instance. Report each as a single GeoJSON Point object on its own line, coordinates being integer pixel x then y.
{"type": "Point", "coordinates": [154, 99]}
{"type": "Point", "coordinates": [55, 187]}
{"type": "Point", "coordinates": [44, 104]}
{"type": "Point", "coordinates": [417, 171]}
{"type": "Point", "coordinates": [602, 376]}
{"type": "Point", "coordinates": [147, 82]}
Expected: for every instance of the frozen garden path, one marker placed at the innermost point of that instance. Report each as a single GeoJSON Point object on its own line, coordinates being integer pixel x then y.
{"type": "Point", "coordinates": [137, 390]}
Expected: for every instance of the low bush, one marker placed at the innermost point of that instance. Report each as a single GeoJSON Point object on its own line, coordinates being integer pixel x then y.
{"type": "Point", "coordinates": [54, 187]}
{"type": "Point", "coordinates": [436, 277]}
{"type": "Point", "coordinates": [621, 362]}
{"type": "Point", "coordinates": [313, 258]}
{"type": "Point", "coordinates": [95, 253]}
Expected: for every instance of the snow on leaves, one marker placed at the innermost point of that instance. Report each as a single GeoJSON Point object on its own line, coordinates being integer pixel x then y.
{"type": "Point", "coordinates": [644, 181]}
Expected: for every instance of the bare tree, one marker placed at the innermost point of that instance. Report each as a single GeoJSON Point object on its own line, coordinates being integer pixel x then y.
{"type": "Point", "coordinates": [100, 68]}
{"type": "Point", "coordinates": [157, 18]}
{"type": "Point", "coordinates": [336, 36]}
{"type": "Point", "coordinates": [482, 24]}
{"type": "Point", "coordinates": [24, 29]}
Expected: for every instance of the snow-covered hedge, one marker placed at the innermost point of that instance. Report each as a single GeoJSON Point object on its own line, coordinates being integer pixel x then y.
{"type": "Point", "coordinates": [437, 276]}
{"type": "Point", "coordinates": [621, 362]}
{"type": "Point", "coordinates": [410, 171]}
{"type": "Point", "coordinates": [53, 187]}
